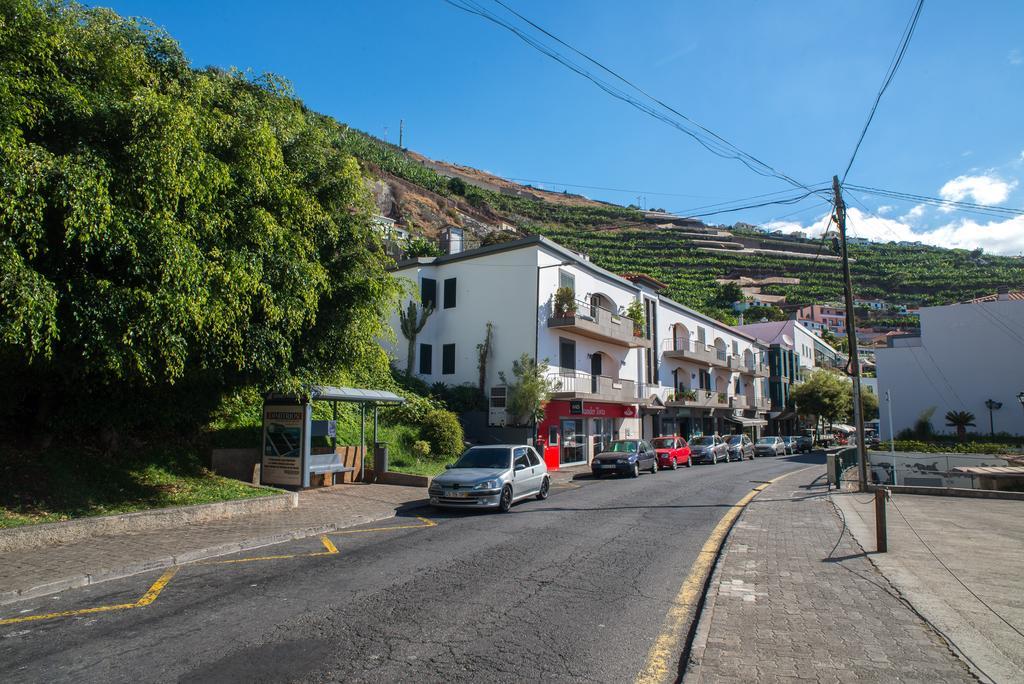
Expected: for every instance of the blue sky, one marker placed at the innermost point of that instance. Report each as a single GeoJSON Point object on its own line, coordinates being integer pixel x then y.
{"type": "Point", "coordinates": [789, 82]}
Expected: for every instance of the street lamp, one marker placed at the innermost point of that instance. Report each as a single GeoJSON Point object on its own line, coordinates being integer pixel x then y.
{"type": "Point", "coordinates": [994, 405]}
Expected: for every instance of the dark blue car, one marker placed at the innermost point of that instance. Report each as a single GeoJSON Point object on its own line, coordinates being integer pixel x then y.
{"type": "Point", "coordinates": [625, 457]}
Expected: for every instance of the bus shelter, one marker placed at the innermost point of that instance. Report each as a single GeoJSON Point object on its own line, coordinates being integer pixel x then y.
{"type": "Point", "coordinates": [296, 447]}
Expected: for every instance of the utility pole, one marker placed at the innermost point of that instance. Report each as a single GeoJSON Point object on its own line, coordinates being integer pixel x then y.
{"type": "Point", "coordinates": [851, 334]}
{"type": "Point", "coordinates": [401, 132]}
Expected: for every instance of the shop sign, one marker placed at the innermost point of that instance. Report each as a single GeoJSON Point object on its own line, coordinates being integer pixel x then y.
{"type": "Point", "coordinates": [576, 407]}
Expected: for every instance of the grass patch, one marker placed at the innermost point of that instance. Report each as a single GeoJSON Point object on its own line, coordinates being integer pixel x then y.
{"type": "Point", "coordinates": [66, 484]}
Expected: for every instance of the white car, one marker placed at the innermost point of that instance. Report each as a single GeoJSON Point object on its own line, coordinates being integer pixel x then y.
{"type": "Point", "coordinates": [493, 476]}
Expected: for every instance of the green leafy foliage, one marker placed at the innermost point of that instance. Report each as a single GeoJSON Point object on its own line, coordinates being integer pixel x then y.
{"type": "Point", "coordinates": [168, 235]}
{"type": "Point", "coordinates": [444, 432]}
{"type": "Point", "coordinates": [825, 394]}
{"type": "Point", "coordinates": [528, 389]}
{"type": "Point", "coordinates": [421, 448]}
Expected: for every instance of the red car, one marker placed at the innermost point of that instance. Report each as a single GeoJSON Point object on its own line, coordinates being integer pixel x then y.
{"type": "Point", "coordinates": [672, 452]}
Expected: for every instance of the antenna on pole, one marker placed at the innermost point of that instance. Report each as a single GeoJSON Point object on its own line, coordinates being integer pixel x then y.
{"type": "Point", "coordinates": [401, 132]}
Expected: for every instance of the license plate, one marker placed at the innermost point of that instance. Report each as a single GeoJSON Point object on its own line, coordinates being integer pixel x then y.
{"type": "Point", "coordinates": [602, 465]}
{"type": "Point", "coordinates": [457, 495]}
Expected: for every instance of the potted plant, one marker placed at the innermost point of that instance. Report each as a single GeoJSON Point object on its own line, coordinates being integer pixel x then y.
{"type": "Point", "coordinates": [565, 302]}
{"type": "Point", "coordinates": [635, 312]}
{"type": "Point", "coordinates": [687, 395]}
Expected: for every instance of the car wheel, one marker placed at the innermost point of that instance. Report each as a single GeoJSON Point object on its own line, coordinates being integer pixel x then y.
{"type": "Point", "coordinates": [689, 461]}
{"type": "Point", "coordinates": [636, 470]}
{"type": "Point", "coordinates": [506, 499]}
{"type": "Point", "coordinates": [714, 458]}
{"type": "Point", "coordinates": [675, 465]}
{"type": "Point", "coordinates": [654, 467]}
{"type": "Point", "coordinates": [545, 488]}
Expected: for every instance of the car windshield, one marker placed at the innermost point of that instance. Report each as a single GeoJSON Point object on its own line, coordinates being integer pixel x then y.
{"type": "Point", "coordinates": [766, 440]}
{"type": "Point", "coordinates": [788, 439]}
{"type": "Point", "coordinates": [625, 446]}
{"type": "Point", "coordinates": [663, 442]}
{"type": "Point", "coordinates": [736, 439]}
{"type": "Point", "coordinates": [703, 441]}
{"type": "Point", "coordinates": [484, 457]}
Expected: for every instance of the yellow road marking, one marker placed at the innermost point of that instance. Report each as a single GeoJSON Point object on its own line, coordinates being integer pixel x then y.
{"type": "Point", "coordinates": [328, 544]}
{"type": "Point", "coordinates": [666, 646]}
{"type": "Point", "coordinates": [426, 522]}
{"type": "Point", "coordinates": [153, 592]}
{"type": "Point", "coordinates": [146, 599]}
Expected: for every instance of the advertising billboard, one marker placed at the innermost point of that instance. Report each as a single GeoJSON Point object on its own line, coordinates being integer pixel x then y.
{"type": "Point", "coordinates": [284, 443]}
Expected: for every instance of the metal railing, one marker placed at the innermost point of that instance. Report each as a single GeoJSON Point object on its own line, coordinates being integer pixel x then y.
{"type": "Point", "coordinates": [696, 351]}
{"type": "Point", "coordinates": [593, 320]}
{"type": "Point", "coordinates": [699, 398]}
{"type": "Point", "coordinates": [579, 384]}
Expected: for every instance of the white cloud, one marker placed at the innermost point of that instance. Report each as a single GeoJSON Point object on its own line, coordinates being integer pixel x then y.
{"type": "Point", "coordinates": [916, 212]}
{"type": "Point", "coordinates": [884, 209]}
{"type": "Point", "coordinates": [981, 189]}
{"type": "Point", "coordinates": [996, 237]}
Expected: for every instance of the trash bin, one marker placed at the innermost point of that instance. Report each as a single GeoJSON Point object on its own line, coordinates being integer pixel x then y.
{"type": "Point", "coordinates": [380, 457]}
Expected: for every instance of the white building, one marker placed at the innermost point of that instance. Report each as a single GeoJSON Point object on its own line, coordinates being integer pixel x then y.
{"type": "Point", "coordinates": [679, 372]}
{"type": "Point", "coordinates": [965, 355]}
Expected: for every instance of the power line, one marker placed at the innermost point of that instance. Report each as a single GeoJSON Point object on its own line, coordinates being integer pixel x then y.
{"type": "Point", "coordinates": [708, 139]}
{"type": "Point", "coordinates": [971, 207]}
{"type": "Point", "coordinates": [894, 66]}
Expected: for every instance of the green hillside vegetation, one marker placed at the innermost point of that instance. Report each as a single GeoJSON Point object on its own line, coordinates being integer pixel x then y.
{"type": "Point", "coordinates": [171, 239]}
{"type": "Point", "coordinates": [904, 274]}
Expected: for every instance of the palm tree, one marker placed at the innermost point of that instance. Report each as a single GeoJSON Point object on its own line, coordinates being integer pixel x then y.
{"type": "Point", "coordinates": [961, 420]}
{"type": "Point", "coordinates": [411, 323]}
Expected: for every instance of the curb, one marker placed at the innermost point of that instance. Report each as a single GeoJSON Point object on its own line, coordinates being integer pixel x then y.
{"type": "Point", "coordinates": [184, 558]}
{"type": "Point", "coordinates": [31, 537]}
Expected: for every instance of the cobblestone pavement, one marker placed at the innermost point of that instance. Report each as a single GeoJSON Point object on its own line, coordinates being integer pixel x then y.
{"type": "Point", "coordinates": [55, 568]}
{"type": "Point", "coordinates": [788, 603]}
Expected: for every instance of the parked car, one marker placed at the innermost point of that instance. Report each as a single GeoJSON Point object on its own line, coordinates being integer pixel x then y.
{"type": "Point", "coordinates": [789, 441]}
{"type": "Point", "coordinates": [770, 446]}
{"type": "Point", "coordinates": [804, 444]}
{"type": "Point", "coordinates": [493, 476]}
{"type": "Point", "coordinates": [708, 449]}
{"type": "Point", "coordinates": [740, 447]}
{"type": "Point", "coordinates": [626, 457]}
{"type": "Point", "coordinates": [672, 451]}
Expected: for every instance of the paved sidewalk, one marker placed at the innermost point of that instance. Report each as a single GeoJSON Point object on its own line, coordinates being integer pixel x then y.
{"type": "Point", "coordinates": [787, 603]}
{"type": "Point", "coordinates": [36, 572]}
{"type": "Point", "coordinates": [982, 542]}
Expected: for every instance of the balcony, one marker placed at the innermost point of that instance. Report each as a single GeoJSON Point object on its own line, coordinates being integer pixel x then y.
{"type": "Point", "coordinates": [685, 350]}
{"type": "Point", "coordinates": [698, 399]}
{"type": "Point", "coordinates": [756, 368]}
{"type": "Point", "coordinates": [580, 385]}
{"type": "Point", "coordinates": [743, 401]}
{"type": "Point", "coordinates": [596, 323]}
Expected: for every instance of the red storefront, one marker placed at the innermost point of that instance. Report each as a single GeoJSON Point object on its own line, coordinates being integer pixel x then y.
{"type": "Point", "coordinates": [572, 431]}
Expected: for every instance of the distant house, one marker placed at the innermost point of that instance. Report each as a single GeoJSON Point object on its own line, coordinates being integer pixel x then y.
{"type": "Point", "coordinates": [872, 304]}
{"type": "Point", "coordinates": [830, 317]}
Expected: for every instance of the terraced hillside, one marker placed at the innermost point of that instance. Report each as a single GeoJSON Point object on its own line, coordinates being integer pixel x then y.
{"type": "Point", "coordinates": [619, 239]}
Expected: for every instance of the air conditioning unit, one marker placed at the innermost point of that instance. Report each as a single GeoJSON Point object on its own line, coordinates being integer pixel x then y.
{"type": "Point", "coordinates": [497, 416]}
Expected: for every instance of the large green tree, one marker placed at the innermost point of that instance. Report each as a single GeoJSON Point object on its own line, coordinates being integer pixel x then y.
{"type": "Point", "coordinates": [825, 394]}
{"type": "Point", "coordinates": [168, 231]}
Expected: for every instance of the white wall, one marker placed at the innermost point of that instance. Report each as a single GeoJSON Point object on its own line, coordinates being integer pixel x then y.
{"type": "Point", "coordinates": [968, 353]}
{"type": "Point", "coordinates": [494, 287]}
{"type": "Point", "coordinates": [624, 362]}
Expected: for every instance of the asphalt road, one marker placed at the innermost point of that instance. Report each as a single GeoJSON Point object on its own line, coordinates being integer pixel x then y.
{"type": "Point", "coordinates": [573, 588]}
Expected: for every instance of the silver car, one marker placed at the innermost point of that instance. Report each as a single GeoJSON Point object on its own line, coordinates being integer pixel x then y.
{"type": "Point", "coordinates": [494, 476]}
{"type": "Point", "coordinates": [708, 449]}
{"type": "Point", "coordinates": [770, 446]}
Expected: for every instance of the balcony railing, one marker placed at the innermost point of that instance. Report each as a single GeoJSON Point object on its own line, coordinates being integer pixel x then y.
{"type": "Point", "coordinates": [746, 401]}
{"type": "Point", "coordinates": [572, 384]}
{"type": "Point", "coordinates": [686, 350]}
{"type": "Point", "coordinates": [595, 322]}
{"type": "Point", "coordinates": [698, 398]}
